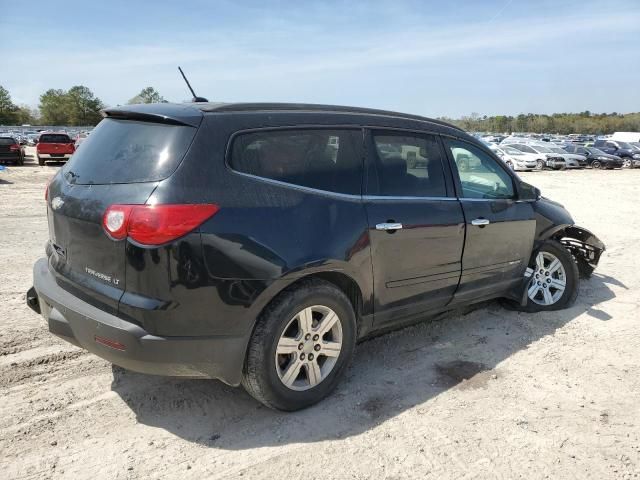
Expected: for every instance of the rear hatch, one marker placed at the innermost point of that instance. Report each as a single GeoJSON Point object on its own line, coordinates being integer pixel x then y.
{"type": "Point", "coordinates": [121, 162]}
{"type": "Point", "coordinates": [6, 149]}
{"type": "Point", "coordinates": [55, 144]}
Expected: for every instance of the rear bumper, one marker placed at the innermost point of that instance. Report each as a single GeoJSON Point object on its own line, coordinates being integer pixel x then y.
{"type": "Point", "coordinates": [10, 157]}
{"type": "Point", "coordinates": [55, 156]}
{"type": "Point", "coordinates": [129, 345]}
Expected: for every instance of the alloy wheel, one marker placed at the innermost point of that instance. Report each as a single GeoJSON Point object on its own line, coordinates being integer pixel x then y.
{"type": "Point", "coordinates": [548, 280]}
{"type": "Point", "coordinates": [540, 165]}
{"type": "Point", "coordinates": [596, 164]}
{"type": "Point", "coordinates": [309, 347]}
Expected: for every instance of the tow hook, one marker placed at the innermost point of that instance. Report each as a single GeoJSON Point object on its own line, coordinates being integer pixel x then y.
{"type": "Point", "coordinates": [32, 300]}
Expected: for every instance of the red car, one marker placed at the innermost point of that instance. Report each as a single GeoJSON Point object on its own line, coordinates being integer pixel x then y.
{"type": "Point", "coordinates": [54, 146]}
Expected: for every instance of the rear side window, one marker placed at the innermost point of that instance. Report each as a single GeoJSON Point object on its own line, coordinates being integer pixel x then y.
{"type": "Point", "coordinates": [54, 138]}
{"type": "Point", "coordinates": [7, 141]}
{"type": "Point", "coordinates": [328, 160]}
{"type": "Point", "coordinates": [409, 165]}
{"type": "Point", "coordinates": [127, 151]}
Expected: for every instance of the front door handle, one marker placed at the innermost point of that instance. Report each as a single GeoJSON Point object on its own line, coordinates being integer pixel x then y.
{"type": "Point", "coordinates": [480, 222]}
{"type": "Point", "coordinates": [388, 226]}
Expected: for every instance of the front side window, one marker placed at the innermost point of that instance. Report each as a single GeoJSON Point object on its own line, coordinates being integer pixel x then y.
{"type": "Point", "coordinates": [409, 164]}
{"type": "Point", "coordinates": [480, 175]}
{"type": "Point", "coordinates": [328, 160]}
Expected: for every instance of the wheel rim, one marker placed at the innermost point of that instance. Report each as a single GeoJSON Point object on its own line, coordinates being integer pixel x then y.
{"type": "Point", "coordinates": [309, 347]}
{"type": "Point", "coordinates": [539, 165]}
{"type": "Point", "coordinates": [510, 165]}
{"type": "Point", "coordinates": [548, 281]}
{"type": "Point", "coordinates": [626, 163]}
{"type": "Point", "coordinates": [595, 164]}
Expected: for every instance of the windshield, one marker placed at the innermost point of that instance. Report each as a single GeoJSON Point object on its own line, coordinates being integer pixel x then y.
{"type": "Point", "coordinates": [511, 151]}
{"type": "Point", "coordinates": [542, 149]}
{"type": "Point", "coordinates": [595, 151]}
{"type": "Point", "coordinates": [557, 150]}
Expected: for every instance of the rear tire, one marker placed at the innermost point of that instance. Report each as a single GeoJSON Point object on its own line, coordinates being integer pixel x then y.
{"type": "Point", "coordinates": [287, 381]}
{"type": "Point", "coordinates": [41, 161]}
{"type": "Point", "coordinates": [543, 293]}
{"type": "Point", "coordinates": [596, 164]}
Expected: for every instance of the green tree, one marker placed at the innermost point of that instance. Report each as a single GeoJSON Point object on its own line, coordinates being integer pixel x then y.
{"type": "Point", "coordinates": [83, 106]}
{"type": "Point", "coordinates": [54, 107]}
{"type": "Point", "coordinates": [7, 108]}
{"type": "Point", "coordinates": [25, 115]}
{"type": "Point", "coordinates": [77, 106]}
{"type": "Point", "coordinates": [147, 95]}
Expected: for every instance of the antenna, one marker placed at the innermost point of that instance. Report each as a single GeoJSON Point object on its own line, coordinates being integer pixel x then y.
{"type": "Point", "coordinates": [195, 97]}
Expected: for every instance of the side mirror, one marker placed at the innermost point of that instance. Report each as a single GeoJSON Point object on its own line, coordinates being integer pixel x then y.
{"type": "Point", "coordinates": [528, 193]}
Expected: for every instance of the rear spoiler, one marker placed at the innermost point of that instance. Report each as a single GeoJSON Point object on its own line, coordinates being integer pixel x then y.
{"type": "Point", "coordinates": [167, 113]}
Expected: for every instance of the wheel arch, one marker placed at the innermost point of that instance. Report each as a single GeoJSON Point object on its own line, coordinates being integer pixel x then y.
{"type": "Point", "coordinates": [342, 280]}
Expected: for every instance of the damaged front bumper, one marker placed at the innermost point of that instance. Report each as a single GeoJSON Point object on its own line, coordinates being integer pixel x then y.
{"type": "Point", "coordinates": [585, 247]}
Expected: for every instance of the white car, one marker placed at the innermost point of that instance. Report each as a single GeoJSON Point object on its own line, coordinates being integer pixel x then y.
{"type": "Point", "coordinates": [545, 157]}
{"type": "Point", "coordinates": [572, 160]}
{"type": "Point", "coordinates": [515, 159]}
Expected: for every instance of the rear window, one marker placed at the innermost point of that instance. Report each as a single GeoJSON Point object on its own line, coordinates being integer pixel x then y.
{"type": "Point", "coordinates": [328, 160]}
{"type": "Point", "coordinates": [127, 151]}
{"type": "Point", "coordinates": [7, 141]}
{"type": "Point", "coordinates": [54, 138]}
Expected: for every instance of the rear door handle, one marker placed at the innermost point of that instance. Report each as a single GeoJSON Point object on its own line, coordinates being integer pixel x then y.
{"type": "Point", "coordinates": [388, 226]}
{"type": "Point", "coordinates": [480, 222]}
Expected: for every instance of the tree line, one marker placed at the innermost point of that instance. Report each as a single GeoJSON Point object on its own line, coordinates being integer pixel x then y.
{"type": "Point", "coordinates": [76, 106]}
{"type": "Point", "coordinates": [562, 123]}
{"type": "Point", "coordinates": [79, 106]}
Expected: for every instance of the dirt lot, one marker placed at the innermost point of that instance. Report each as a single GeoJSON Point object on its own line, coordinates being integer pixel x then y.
{"type": "Point", "coordinates": [491, 393]}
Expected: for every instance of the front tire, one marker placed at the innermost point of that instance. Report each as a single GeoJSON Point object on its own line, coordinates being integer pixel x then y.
{"type": "Point", "coordinates": [301, 345]}
{"type": "Point", "coordinates": [555, 279]}
{"type": "Point", "coordinates": [540, 165]}
{"type": "Point", "coordinates": [596, 164]}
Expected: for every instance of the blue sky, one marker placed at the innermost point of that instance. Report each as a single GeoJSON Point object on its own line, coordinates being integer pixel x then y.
{"type": "Point", "coordinates": [432, 58]}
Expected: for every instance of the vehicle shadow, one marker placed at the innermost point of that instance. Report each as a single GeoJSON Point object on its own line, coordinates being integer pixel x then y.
{"type": "Point", "coordinates": [389, 375]}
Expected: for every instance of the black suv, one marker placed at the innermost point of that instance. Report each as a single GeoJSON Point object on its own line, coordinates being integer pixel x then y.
{"type": "Point", "coordinates": [256, 243]}
{"type": "Point", "coordinates": [623, 150]}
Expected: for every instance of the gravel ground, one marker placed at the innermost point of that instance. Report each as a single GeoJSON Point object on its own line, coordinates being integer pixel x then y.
{"type": "Point", "coordinates": [489, 393]}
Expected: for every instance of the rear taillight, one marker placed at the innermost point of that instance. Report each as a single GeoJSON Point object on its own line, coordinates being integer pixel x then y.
{"type": "Point", "coordinates": [46, 189]}
{"type": "Point", "coordinates": [14, 147]}
{"type": "Point", "coordinates": [154, 224]}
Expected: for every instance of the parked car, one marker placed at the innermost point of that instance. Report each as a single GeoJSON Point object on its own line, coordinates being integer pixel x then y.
{"type": "Point", "coordinates": [54, 146]}
{"type": "Point", "coordinates": [572, 160]}
{"type": "Point", "coordinates": [228, 241]}
{"type": "Point", "coordinates": [620, 149]}
{"type": "Point", "coordinates": [514, 158]}
{"type": "Point", "coordinates": [11, 151]}
{"type": "Point", "coordinates": [545, 157]}
{"type": "Point", "coordinates": [81, 137]}
{"type": "Point", "coordinates": [596, 158]}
